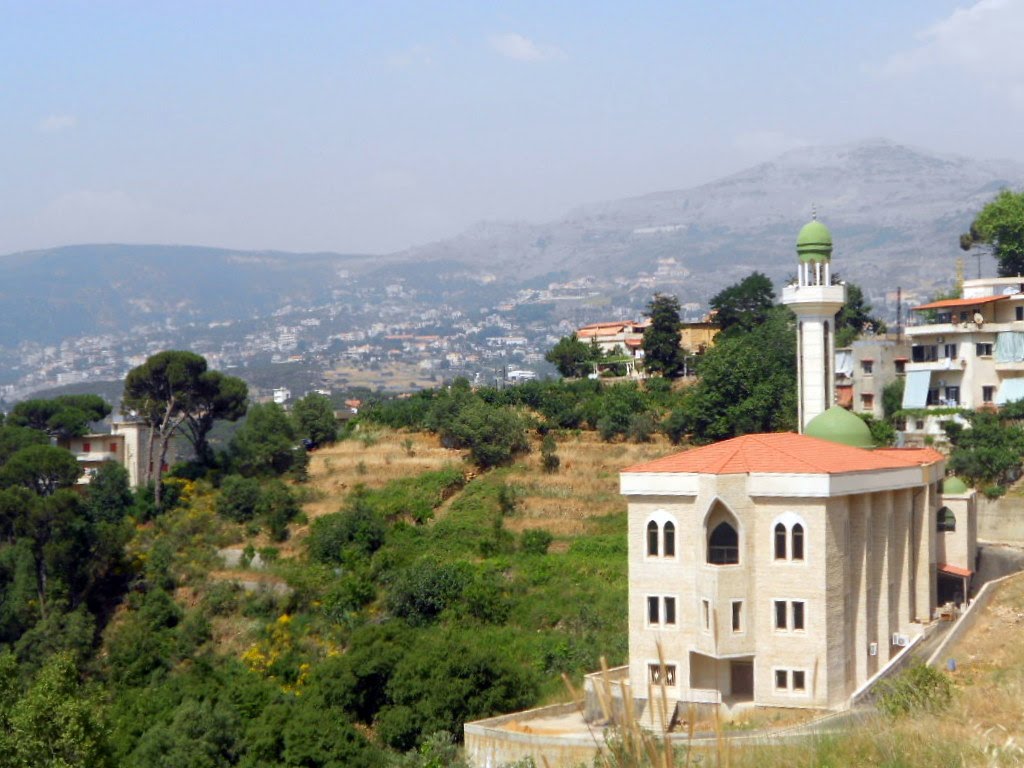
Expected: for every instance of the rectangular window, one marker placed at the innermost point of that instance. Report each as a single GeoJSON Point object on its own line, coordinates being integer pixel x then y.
{"type": "Point", "coordinates": [949, 351]}
{"type": "Point", "coordinates": [706, 608]}
{"type": "Point", "coordinates": [867, 366]}
{"type": "Point", "coordinates": [86, 447]}
{"type": "Point", "coordinates": [662, 673]}
{"type": "Point", "coordinates": [867, 401]}
{"type": "Point", "coordinates": [737, 616]}
{"type": "Point", "coordinates": [781, 680]}
{"type": "Point", "coordinates": [901, 367]}
{"type": "Point", "coordinates": [798, 614]}
{"type": "Point", "coordinates": [952, 396]}
{"type": "Point", "coordinates": [670, 610]}
{"type": "Point", "coordinates": [983, 350]}
{"type": "Point", "coordinates": [1019, 313]}
{"type": "Point", "coordinates": [113, 447]}
{"type": "Point", "coordinates": [780, 614]}
{"type": "Point", "coordinates": [988, 394]}
{"type": "Point", "coordinates": [652, 610]}
{"type": "Point", "coordinates": [924, 353]}
{"type": "Point", "coordinates": [799, 683]}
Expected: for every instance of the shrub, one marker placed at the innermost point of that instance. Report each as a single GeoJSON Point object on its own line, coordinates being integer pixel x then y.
{"type": "Point", "coordinates": [641, 427]}
{"type": "Point", "coordinates": [535, 541]}
{"type": "Point", "coordinates": [238, 498]}
{"type": "Point", "coordinates": [276, 508]}
{"type": "Point", "coordinates": [548, 455]}
{"type": "Point", "coordinates": [359, 528]}
{"type": "Point", "coordinates": [919, 688]}
{"type": "Point", "coordinates": [422, 592]}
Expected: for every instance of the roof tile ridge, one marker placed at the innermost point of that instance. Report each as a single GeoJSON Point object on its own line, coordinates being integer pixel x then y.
{"type": "Point", "coordinates": [790, 454]}
{"type": "Point", "coordinates": [728, 455]}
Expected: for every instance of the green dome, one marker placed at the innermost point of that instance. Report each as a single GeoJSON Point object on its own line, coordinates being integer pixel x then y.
{"type": "Point", "coordinates": [838, 425]}
{"type": "Point", "coordinates": [953, 485]}
{"type": "Point", "coordinates": [814, 243]}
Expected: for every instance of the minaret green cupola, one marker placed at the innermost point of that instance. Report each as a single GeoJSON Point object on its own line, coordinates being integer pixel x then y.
{"type": "Point", "coordinates": [838, 425]}
{"type": "Point", "coordinates": [815, 301]}
{"type": "Point", "coordinates": [814, 243]}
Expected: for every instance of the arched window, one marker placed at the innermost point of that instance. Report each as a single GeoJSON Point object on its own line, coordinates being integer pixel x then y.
{"type": "Point", "coordinates": [652, 539]}
{"type": "Point", "coordinates": [723, 545]}
{"type": "Point", "coordinates": [669, 546]}
{"type": "Point", "coordinates": [946, 520]}
{"type": "Point", "coordinates": [797, 550]}
{"type": "Point", "coordinates": [780, 542]}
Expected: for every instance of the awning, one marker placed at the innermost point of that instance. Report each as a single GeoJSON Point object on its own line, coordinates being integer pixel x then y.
{"type": "Point", "coordinates": [915, 392]}
{"type": "Point", "coordinates": [844, 395]}
{"type": "Point", "coordinates": [867, 359]}
{"type": "Point", "coordinates": [901, 359]}
{"type": "Point", "coordinates": [957, 303]}
{"type": "Point", "coordinates": [1009, 347]}
{"type": "Point", "coordinates": [844, 362]}
{"type": "Point", "coordinates": [1010, 390]}
{"type": "Point", "coordinates": [955, 570]}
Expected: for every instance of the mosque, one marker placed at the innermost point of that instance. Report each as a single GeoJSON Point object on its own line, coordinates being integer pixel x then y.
{"type": "Point", "coordinates": [786, 569]}
{"type": "Point", "coordinates": [780, 569]}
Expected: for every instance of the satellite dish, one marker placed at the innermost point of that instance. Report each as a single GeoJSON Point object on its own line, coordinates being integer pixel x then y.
{"type": "Point", "coordinates": [978, 318]}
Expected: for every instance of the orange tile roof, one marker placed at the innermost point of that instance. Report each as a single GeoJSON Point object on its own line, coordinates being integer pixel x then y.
{"type": "Point", "coordinates": [955, 570]}
{"type": "Point", "coordinates": [784, 453]}
{"type": "Point", "coordinates": [947, 303]}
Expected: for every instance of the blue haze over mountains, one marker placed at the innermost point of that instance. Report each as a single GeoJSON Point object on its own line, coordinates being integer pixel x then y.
{"type": "Point", "coordinates": [895, 212]}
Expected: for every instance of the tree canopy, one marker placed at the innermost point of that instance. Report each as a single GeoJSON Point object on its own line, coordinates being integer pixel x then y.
{"type": "Point", "coordinates": [61, 417]}
{"type": "Point", "coordinates": [855, 317]}
{"type": "Point", "coordinates": [743, 306]}
{"type": "Point", "coordinates": [747, 384]}
{"type": "Point", "coordinates": [662, 351]}
{"type": "Point", "coordinates": [1000, 225]}
{"type": "Point", "coordinates": [570, 356]}
{"type": "Point", "coordinates": [314, 419]}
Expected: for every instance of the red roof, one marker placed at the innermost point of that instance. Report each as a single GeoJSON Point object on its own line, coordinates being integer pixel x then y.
{"type": "Point", "coordinates": [948, 303]}
{"type": "Point", "coordinates": [785, 453]}
{"type": "Point", "coordinates": [955, 570]}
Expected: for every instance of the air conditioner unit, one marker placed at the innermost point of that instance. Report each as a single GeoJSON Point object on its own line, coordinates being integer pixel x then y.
{"type": "Point", "coordinates": [900, 640]}
{"type": "Point", "coordinates": [872, 649]}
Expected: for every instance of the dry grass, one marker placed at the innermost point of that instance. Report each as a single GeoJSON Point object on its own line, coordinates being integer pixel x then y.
{"type": "Point", "coordinates": [585, 486]}
{"type": "Point", "coordinates": [373, 457]}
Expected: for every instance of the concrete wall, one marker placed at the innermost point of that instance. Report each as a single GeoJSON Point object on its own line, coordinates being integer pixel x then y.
{"type": "Point", "coordinates": [489, 745]}
{"type": "Point", "coordinates": [1001, 520]}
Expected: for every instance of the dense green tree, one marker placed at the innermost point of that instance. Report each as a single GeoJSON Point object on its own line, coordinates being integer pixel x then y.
{"type": "Point", "coordinates": [662, 352]}
{"type": "Point", "coordinates": [892, 398]}
{"type": "Point", "coordinates": [55, 723]}
{"type": "Point", "coordinates": [747, 384]}
{"type": "Point", "coordinates": [571, 356]}
{"type": "Point", "coordinates": [62, 417]}
{"type": "Point", "coordinates": [745, 305]}
{"type": "Point", "coordinates": [1000, 225]}
{"type": "Point", "coordinates": [314, 419]}
{"type": "Point", "coordinates": [276, 508]}
{"type": "Point", "coordinates": [13, 438]}
{"type": "Point", "coordinates": [217, 397]}
{"type": "Point", "coordinates": [493, 435]}
{"type": "Point", "coordinates": [989, 451]}
{"type": "Point", "coordinates": [109, 496]}
{"type": "Point", "coordinates": [41, 468]}
{"type": "Point", "coordinates": [358, 530]}
{"type": "Point", "coordinates": [162, 392]}
{"type": "Point", "coordinates": [420, 593]}
{"type": "Point", "coordinates": [855, 317]}
{"type": "Point", "coordinates": [265, 444]}
{"type": "Point", "coordinates": [238, 498]}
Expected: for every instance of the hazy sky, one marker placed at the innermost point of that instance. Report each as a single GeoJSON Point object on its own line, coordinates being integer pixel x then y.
{"type": "Point", "coordinates": [371, 125]}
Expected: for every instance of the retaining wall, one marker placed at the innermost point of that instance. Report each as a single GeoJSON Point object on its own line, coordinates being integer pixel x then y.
{"type": "Point", "coordinates": [488, 745]}
{"type": "Point", "coordinates": [1001, 519]}
{"type": "Point", "coordinates": [967, 620]}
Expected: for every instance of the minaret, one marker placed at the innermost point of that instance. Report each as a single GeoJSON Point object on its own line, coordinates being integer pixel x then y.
{"type": "Point", "coordinates": [815, 301]}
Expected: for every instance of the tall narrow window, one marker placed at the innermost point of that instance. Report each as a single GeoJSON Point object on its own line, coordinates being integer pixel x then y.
{"type": "Point", "coordinates": [799, 680]}
{"type": "Point", "coordinates": [652, 610]}
{"type": "Point", "coordinates": [798, 542]}
{"type": "Point", "coordinates": [652, 538]}
{"type": "Point", "coordinates": [723, 545]}
{"type": "Point", "coordinates": [737, 616]}
{"type": "Point", "coordinates": [706, 609]}
{"type": "Point", "coordinates": [781, 679]}
{"type": "Point", "coordinates": [780, 542]}
{"type": "Point", "coordinates": [780, 614]}
{"type": "Point", "coordinates": [947, 520]}
{"type": "Point", "coordinates": [670, 610]}
{"type": "Point", "coordinates": [798, 615]}
{"type": "Point", "coordinates": [669, 540]}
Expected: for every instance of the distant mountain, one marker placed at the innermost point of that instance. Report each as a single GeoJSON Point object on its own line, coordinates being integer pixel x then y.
{"type": "Point", "coordinates": [896, 214]}
{"type": "Point", "coordinates": [48, 295]}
